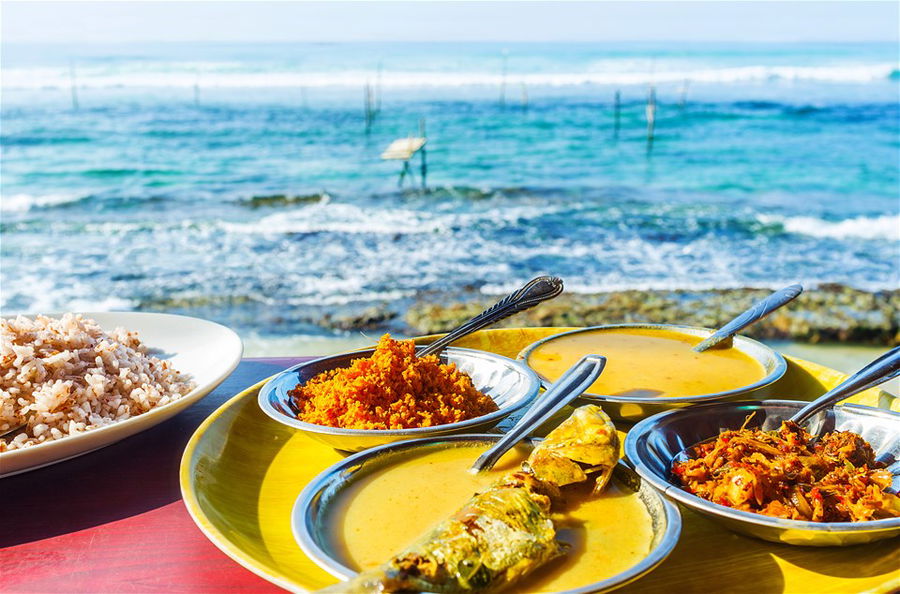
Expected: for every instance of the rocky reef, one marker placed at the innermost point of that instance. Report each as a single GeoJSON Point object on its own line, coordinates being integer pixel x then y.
{"type": "Point", "coordinates": [827, 313]}
{"type": "Point", "coordinates": [284, 200]}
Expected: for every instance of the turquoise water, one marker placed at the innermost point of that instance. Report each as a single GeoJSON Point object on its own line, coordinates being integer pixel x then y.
{"type": "Point", "coordinates": [770, 164]}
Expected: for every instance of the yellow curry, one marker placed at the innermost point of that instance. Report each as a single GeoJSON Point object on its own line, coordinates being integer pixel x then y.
{"type": "Point", "coordinates": [384, 512]}
{"type": "Point", "coordinates": [644, 362]}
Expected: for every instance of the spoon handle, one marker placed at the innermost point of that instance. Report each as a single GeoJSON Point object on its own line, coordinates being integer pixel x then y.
{"type": "Point", "coordinates": [535, 291]}
{"type": "Point", "coordinates": [569, 386]}
{"type": "Point", "coordinates": [882, 369]}
{"type": "Point", "coordinates": [759, 310]}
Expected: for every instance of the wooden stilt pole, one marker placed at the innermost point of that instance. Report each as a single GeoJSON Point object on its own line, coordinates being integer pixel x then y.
{"type": "Point", "coordinates": [403, 172]}
{"type": "Point", "coordinates": [503, 79]}
{"type": "Point", "coordinates": [378, 88]}
{"type": "Point", "coordinates": [424, 163]}
{"type": "Point", "coordinates": [617, 113]}
{"type": "Point", "coordinates": [74, 86]}
{"type": "Point", "coordinates": [370, 116]}
{"type": "Point", "coordinates": [651, 116]}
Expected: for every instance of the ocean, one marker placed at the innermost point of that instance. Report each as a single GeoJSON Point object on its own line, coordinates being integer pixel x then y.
{"type": "Point", "coordinates": [239, 182]}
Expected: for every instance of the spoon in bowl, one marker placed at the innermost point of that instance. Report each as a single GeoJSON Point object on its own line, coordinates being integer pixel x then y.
{"type": "Point", "coordinates": [533, 292]}
{"type": "Point", "coordinates": [11, 430]}
{"type": "Point", "coordinates": [882, 369]}
{"type": "Point", "coordinates": [569, 386]}
{"type": "Point", "coordinates": [759, 310]}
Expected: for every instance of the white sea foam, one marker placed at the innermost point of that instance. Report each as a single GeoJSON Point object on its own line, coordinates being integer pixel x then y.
{"type": "Point", "coordinates": [105, 304]}
{"type": "Point", "coordinates": [339, 218]}
{"type": "Point", "coordinates": [25, 202]}
{"type": "Point", "coordinates": [46, 295]}
{"type": "Point", "coordinates": [586, 287]}
{"type": "Point", "coordinates": [883, 227]}
{"type": "Point", "coordinates": [327, 295]}
{"type": "Point", "coordinates": [220, 75]}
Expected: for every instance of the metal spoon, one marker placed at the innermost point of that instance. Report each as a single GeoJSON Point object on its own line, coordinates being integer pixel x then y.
{"type": "Point", "coordinates": [11, 430]}
{"type": "Point", "coordinates": [882, 369]}
{"type": "Point", "coordinates": [535, 291]}
{"type": "Point", "coordinates": [754, 314]}
{"type": "Point", "coordinates": [569, 386]}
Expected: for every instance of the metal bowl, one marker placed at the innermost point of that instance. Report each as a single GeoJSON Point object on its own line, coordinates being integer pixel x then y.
{"type": "Point", "coordinates": [510, 384]}
{"type": "Point", "coordinates": [635, 408]}
{"type": "Point", "coordinates": [312, 525]}
{"type": "Point", "coordinates": [653, 444]}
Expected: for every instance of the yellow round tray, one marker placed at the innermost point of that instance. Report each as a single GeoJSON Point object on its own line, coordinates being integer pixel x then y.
{"type": "Point", "coordinates": [242, 471]}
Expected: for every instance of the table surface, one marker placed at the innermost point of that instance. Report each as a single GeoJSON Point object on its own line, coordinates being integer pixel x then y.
{"type": "Point", "coordinates": [113, 520]}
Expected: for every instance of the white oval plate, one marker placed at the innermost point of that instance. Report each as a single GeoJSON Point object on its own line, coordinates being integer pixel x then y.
{"type": "Point", "coordinates": [207, 351]}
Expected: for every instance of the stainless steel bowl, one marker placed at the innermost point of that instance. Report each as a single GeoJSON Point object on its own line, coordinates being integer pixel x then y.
{"type": "Point", "coordinates": [635, 408]}
{"type": "Point", "coordinates": [510, 384]}
{"type": "Point", "coordinates": [312, 521]}
{"type": "Point", "coordinates": [652, 445]}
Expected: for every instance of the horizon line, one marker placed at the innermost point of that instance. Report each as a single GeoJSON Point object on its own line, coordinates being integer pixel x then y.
{"type": "Point", "coordinates": [448, 41]}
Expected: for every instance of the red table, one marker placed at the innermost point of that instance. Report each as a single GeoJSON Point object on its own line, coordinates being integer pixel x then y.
{"type": "Point", "coordinates": [113, 520]}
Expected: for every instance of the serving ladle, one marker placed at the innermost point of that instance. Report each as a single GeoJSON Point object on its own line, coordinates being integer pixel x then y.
{"type": "Point", "coordinates": [569, 386]}
{"type": "Point", "coordinates": [758, 311]}
{"type": "Point", "coordinates": [884, 368]}
{"type": "Point", "coordinates": [533, 292]}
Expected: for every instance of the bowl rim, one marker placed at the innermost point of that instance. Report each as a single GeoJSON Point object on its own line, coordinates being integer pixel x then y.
{"type": "Point", "coordinates": [307, 500]}
{"type": "Point", "coordinates": [773, 376]}
{"type": "Point", "coordinates": [642, 429]}
{"type": "Point", "coordinates": [532, 389]}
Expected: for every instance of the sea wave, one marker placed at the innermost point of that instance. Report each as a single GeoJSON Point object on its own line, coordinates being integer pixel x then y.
{"type": "Point", "coordinates": [582, 287]}
{"type": "Point", "coordinates": [214, 75]}
{"type": "Point", "coordinates": [883, 227]}
{"type": "Point", "coordinates": [338, 218]}
{"type": "Point", "coordinates": [395, 222]}
{"type": "Point", "coordinates": [44, 294]}
{"type": "Point", "coordinates": [111, 303]}
{"type": "Point", "coordinates": [26, 202]}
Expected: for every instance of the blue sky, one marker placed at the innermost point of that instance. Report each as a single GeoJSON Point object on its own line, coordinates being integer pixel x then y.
{"type": "Point", "coordinates": [78, 22]}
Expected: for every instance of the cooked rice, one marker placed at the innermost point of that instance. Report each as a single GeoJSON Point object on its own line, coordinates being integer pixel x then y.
{"type": "Point", "coordinates": [66, 376]}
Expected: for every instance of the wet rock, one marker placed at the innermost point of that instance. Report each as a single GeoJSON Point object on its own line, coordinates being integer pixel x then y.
{"type": "Point", "coordinates": [373, 317]}
{"type": "Point", "coordinates": [823, 314]}
{"type": "Point", "coordinates": [190, 302]}
{"type": "Point", "coordinates": [285, 199]}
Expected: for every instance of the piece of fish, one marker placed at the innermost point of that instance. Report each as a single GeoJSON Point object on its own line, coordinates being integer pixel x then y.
{"type": "Point", "coordinates": [505, 532]}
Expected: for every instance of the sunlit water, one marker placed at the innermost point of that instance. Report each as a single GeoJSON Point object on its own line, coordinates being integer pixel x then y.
{"type": "Point", "coordinates": [772, 164]}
